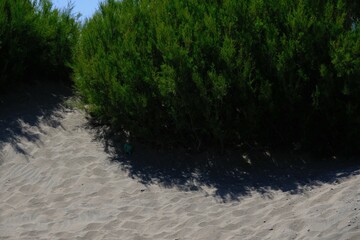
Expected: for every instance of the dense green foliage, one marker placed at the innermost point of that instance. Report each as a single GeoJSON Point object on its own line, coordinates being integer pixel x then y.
{"type": "Point", "coordinates": [225, 72]}
{"type": "Point", "coordinates": [36, 41]}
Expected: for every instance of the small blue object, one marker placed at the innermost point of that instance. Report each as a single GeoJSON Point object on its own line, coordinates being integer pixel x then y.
{"type": "Point", "coordinates": [128, 148]}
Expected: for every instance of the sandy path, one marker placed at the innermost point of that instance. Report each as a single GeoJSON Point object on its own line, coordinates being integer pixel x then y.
{"type": "Point", "coordinates": [57, 182]}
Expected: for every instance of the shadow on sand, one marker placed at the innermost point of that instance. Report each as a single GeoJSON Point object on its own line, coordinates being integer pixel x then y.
{"type": "Point", "coordinates": [25, 107]}
{"type": "Point", "coordinates": [232, 175]}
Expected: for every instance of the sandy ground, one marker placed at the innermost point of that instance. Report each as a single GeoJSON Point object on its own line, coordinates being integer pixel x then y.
{"type": "Point", "coordinates": [59, 180]}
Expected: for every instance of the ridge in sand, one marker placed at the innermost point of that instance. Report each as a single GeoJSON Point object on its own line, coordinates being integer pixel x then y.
{"type": "Point", "coordinates": [62, 178]}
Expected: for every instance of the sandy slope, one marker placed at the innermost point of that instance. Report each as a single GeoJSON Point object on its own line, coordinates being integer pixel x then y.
{"type": "Point", "coordinates": [56, 182]}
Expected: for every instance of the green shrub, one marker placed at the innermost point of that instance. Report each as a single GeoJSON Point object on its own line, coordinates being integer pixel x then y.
{"type": "Point", "coordinates": [36, 41]}
{"type": "Point", "coordinates": [224, 72]}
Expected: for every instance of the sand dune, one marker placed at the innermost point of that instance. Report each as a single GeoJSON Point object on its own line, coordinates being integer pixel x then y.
{"type": "Point", "coordinates": [57, 182]}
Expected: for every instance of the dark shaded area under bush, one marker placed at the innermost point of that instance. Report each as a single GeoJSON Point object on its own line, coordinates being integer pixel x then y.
{"type": "Point", "coordinates": [233, 175]}
{"type": "Point", "coordinates": [29, 106]}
